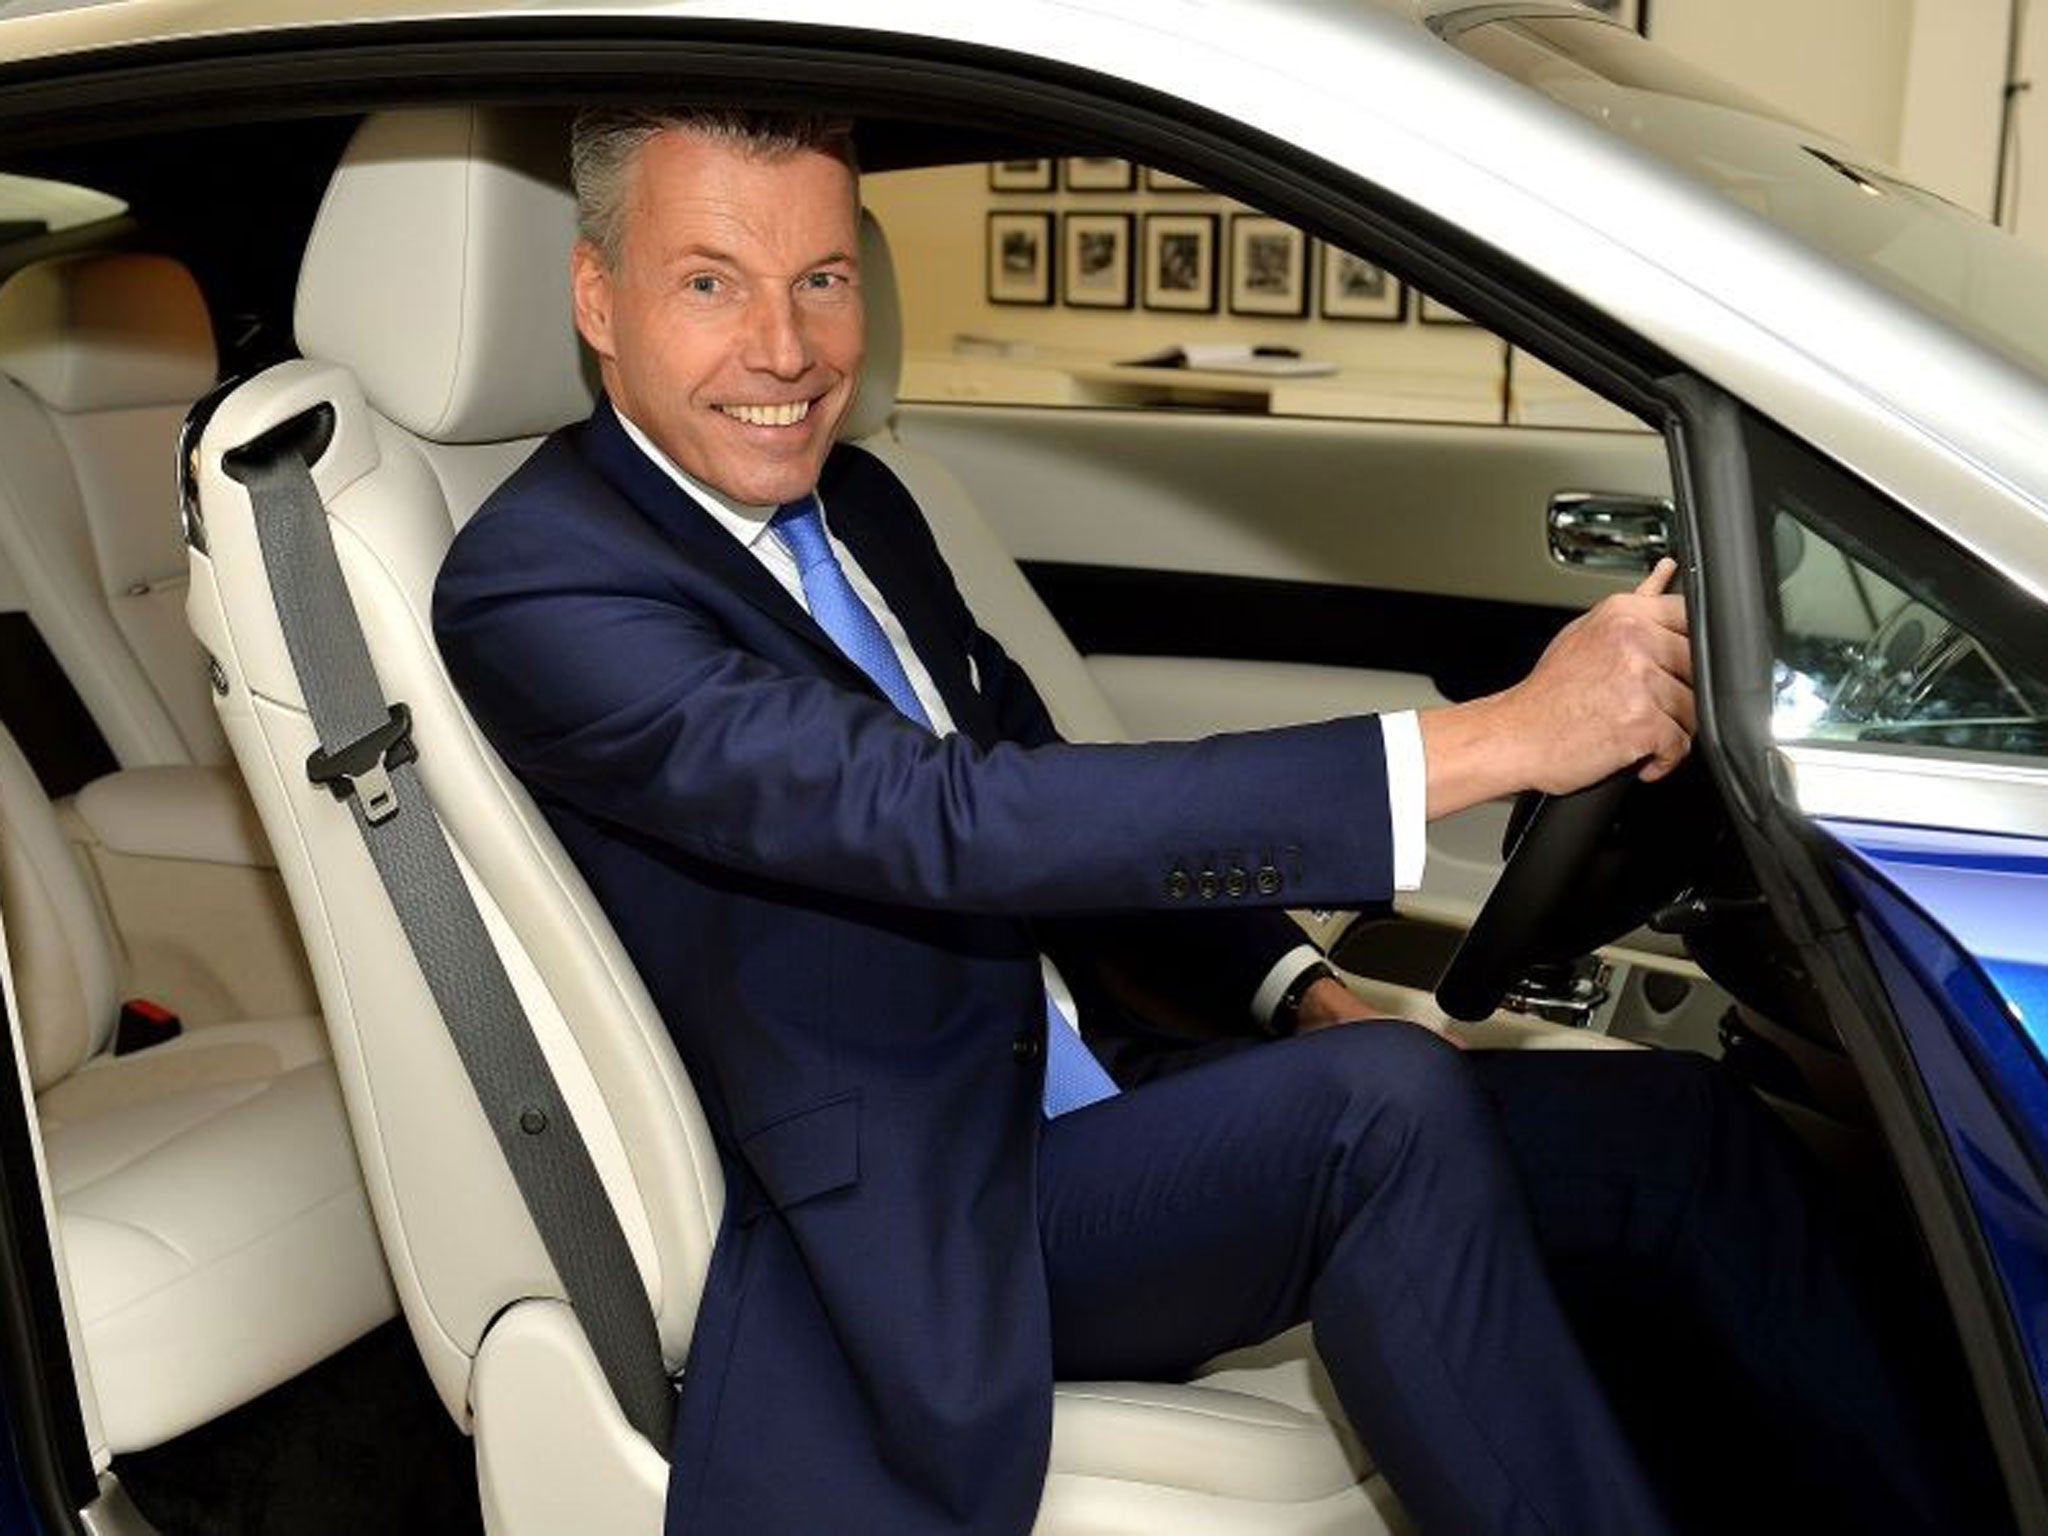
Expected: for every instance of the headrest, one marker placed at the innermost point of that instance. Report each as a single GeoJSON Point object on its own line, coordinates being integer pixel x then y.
{"type": "Point", "coordinates": [438, 273]}
{"type": "Point", "coordinates": [106, 331]}
{"type": "Point", "coordinates": [883, 365]}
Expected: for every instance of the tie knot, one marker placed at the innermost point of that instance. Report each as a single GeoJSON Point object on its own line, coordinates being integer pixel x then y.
{"type": "Point", "coordinates": [801, 527]}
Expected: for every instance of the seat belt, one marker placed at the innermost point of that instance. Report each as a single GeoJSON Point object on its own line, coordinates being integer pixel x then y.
{"type": "Point", "coordinates": [366, 759]}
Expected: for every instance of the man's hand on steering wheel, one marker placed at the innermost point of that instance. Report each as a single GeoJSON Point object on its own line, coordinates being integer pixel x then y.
{"type": "Point", "coordinates": [1612, 693]}
{"type": "Point", "coordinates": [1612, 689]}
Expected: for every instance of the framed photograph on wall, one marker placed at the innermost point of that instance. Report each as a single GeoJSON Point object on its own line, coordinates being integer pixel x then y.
{"type": "Point", "coordinates": [1095, 260]}
{"type": "Point", "coordinates": [1100, 173]}
{"type": "Point", "coordinates": [1628, 12]}
{"type": "Point", "coordinates": [1020, 258]}
{"type": "Point", "coordinates": [1023, 175]}
{"type": "Point", "coordinates": [1178, 262]}
{"type": "Point", "coordinates": [1268, 266]}
{"type": "Point", "coordinates": [1356, 289]}
{"type": "Point", "coordinates": [1437, 312]}
{"type": "Point", "coordinates": [1157, 180]}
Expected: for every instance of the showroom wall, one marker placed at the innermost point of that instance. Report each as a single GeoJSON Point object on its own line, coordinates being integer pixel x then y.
{"type": "Point", "coordinates": [2029, 150]}
{"type": "Point", "coordinates": [1920, 83]}
{"type": "Point", "coordinates": [1914, 84]}
{"type": "Point", "coordinates": [938, 227]}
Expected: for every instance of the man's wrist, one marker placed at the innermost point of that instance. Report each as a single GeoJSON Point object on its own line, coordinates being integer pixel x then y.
{"type": "Point", "coordinates": [1288, 1015]}
{"type": "Point", "coordinates": [1472, 752]}
{"type": "Point", "coordinates": [1329, 1002]}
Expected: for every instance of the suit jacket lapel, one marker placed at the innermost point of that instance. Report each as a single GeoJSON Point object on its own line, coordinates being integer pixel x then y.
{"type": "Point", "coordinates": [677, 514]}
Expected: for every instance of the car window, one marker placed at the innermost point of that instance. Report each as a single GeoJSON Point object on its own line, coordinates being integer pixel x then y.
{"type": "Point", "coordinates": [1884, 636]}
{"type": "Point", "coordinates": [1094, 281]}
{"type": "Point", "coordinates": [31, 206]}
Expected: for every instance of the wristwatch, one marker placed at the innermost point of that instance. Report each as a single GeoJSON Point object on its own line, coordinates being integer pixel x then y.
{"type": "Point", "coordinates": [1286, 1014]}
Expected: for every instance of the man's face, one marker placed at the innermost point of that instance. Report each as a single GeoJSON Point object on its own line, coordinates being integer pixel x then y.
{"type": "Point", "coordinates": [731, 329]}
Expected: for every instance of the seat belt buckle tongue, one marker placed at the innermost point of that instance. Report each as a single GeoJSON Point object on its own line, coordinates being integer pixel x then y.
{"type": "Point", "coordinates": [361, 770]}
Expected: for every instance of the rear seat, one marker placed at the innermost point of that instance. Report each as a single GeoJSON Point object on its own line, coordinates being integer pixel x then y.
{"type": "Point", "coordinates": [212, 1215]}
{"type": "Point", "coordinates": [101, 355]}
{"type": "Point", "coordinates": [208, 1199]}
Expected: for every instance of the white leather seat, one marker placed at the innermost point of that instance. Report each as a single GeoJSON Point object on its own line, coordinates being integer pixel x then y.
{"type": "Point", "coordinates": [1001, 599]}
{"type": "Point", "coordinates": [208, 1203]}
{"type": "Point", "coordinates": [101, 356]}
{"type": "Point", "coordinates": [433, 315]}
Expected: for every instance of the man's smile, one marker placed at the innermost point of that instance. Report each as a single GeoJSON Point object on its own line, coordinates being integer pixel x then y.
{"type": "Point", "coordinates": [788, 413]}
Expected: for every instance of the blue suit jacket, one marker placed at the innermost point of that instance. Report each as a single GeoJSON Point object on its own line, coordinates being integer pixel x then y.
{"type": "Point", "coordinates": [840, 918]}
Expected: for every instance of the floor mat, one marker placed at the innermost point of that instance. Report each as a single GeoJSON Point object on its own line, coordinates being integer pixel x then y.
{"type": "Point", "coordinates": [359, 1443]}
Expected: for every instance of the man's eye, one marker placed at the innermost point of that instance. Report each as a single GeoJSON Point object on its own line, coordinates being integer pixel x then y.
{"type": "Point", "coordinates": [823, 279]}
{"type": "Point", "coordinates": [701, 282]}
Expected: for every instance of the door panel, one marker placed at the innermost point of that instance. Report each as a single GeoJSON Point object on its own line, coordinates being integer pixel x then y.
{"type": "Point", "coordinates": [1406, 507]}
{"type": "Point", "coordinates": [1213, 568]}
{"type": "Point", "coordinates": [1179, 697]}
{"type": "Point", "coordinates": [1167, 697]}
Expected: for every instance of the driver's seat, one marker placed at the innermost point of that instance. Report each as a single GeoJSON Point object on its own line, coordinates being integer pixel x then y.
{"type": "Point", "coordinates": [433, 312]}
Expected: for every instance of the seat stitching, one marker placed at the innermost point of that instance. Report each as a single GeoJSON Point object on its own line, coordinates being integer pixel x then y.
{"type": "Point", "coordinates": [129, 1226]}
{"type": "Point", "coordinates": [140, 1154]}
{"type": "Point", "coordinates": [1196, 1410]}
{"type": "Point", "coordinates": [228, 1253]}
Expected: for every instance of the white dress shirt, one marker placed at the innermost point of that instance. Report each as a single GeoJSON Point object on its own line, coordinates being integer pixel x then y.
{"type": "Point", "coordinates": [1401, 735]}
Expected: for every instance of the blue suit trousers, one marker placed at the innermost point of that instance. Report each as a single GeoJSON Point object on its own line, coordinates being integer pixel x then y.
{"type": "Point", "coordinates": [1498, 1251]}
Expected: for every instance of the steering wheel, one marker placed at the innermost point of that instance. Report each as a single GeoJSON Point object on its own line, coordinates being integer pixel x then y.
{"type": "Point", "coordinates": [1582, 869]}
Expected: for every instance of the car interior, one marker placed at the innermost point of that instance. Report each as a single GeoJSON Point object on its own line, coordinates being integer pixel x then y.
{"type": "Point", "coordinates": [263, 1155]}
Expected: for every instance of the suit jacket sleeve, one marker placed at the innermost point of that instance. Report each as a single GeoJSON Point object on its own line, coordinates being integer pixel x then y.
{"type": "Point", "coordinates": [1202, 965]}
{"type": "Point", "coordinates": [609, 674]}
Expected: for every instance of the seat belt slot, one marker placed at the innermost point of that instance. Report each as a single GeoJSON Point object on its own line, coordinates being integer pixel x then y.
{"type": "Point", "coordinates": [361, 770]}
{"type": "Point", "coordinates": [144, 1023]}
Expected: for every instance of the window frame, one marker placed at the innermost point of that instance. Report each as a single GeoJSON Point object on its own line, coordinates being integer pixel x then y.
{"type": "Point", "coordinates": [1796, 862]}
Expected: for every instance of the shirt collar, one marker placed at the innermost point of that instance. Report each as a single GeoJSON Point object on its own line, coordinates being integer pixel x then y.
{"type": "Point", "coordinates": [748, 524]}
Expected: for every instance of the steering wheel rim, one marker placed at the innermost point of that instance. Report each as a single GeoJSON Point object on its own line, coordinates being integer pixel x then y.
{"type": "Point", "coordinates": [1549, 859]}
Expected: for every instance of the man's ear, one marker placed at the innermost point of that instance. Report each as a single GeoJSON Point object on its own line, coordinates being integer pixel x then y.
{"type": "Point", "coordinates": [590, 289]}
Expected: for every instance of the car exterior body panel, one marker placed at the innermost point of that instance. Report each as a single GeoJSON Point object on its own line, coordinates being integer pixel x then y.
{"type": "Point", "coordinates": [1984, 1075]}
{"type": "Point", "coordinates": [16, 1514]}
{"type": "Point", "coordinates": [1754, 309]}
{"type": "Point", "coordinates": [1987, 892]}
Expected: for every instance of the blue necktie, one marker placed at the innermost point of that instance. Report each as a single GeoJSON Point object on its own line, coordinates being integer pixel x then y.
{"type": "Point", "coordinates": [1073, 1077]}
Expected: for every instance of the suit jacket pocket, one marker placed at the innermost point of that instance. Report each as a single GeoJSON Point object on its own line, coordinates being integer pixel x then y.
{"type": "Point", "coordinates": [807, 1153]}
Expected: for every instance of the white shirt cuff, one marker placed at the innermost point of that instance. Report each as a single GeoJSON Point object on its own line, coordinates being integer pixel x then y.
{"type": "Point", "coordinates": [1279, 979]}
{"type": "Point", "coordinates": [1407, 796]}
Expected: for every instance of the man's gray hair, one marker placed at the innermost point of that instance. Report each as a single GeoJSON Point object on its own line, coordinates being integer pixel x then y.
{"type": "Point", "coordinates": [604, 141]}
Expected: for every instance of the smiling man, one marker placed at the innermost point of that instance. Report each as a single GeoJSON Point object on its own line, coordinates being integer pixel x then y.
{"type": "Point", "coordinates": [747, 269]}
{"type": "Point", "coordinates": [876, 899]}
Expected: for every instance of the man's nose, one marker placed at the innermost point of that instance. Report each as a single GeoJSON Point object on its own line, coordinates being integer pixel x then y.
{"type": "Point", "coordinates": [776, 342]}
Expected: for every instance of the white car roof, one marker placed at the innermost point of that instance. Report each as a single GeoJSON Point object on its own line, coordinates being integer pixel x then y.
{"type": "Point", "coordinates": [1938, 420]}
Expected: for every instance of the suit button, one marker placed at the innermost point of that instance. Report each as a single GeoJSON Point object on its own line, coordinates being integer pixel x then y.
{"type": "Point", "coordinates": [1027, 1048]}
{"type": "Point", "coordinates": [1177, 884]}
{"type": "Point", "coordinates": [1269, 880]}
{"type": "Point", "coordinates": [1235, 882]}
{"type": "Point", "coordinates": [1206, 885]}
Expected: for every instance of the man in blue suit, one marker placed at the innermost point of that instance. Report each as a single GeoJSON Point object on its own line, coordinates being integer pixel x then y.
{"type": "Point", "coordinates": [874, 895]}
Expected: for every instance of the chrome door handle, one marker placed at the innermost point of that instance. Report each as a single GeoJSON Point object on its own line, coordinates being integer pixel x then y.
{"type": "Point", "coordinates": [1609, 531]}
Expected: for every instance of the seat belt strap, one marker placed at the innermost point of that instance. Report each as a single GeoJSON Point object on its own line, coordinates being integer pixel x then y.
{"type": "Point", "coordinates": [366, 758]}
